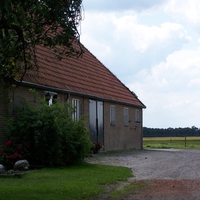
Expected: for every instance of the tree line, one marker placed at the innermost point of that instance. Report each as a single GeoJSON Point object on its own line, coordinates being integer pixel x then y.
{"type": "Point", "coordinates": [171, 132]}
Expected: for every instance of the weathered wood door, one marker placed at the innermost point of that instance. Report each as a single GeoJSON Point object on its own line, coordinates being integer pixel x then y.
{"type": "Point", "coordinates": [96, 121]}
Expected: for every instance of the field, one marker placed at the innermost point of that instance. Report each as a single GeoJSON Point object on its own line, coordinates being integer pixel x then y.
{"type": "Point", "coordinates": [171, 142]}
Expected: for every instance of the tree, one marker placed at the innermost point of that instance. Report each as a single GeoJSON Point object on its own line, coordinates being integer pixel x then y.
{"type": "Point", "coordinates": [25, 24]}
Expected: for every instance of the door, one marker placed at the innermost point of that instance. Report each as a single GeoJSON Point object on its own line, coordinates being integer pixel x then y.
{"type": "Point", "coordinates": [96, 121]}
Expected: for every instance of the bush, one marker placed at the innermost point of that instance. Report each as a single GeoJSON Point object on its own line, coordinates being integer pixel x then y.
{"type": "Point", "coordinates": [54, 139]}
{"type": "Point", "coordinates": [11, 152]}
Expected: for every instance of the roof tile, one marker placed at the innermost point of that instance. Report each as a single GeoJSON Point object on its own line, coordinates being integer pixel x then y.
{"type": "Point", "coordinates": [86, 75]}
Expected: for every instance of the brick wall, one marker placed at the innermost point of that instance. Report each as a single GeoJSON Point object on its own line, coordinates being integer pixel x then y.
{"type": "Point", "coordinates": [120, 137]}
{"type": "Point", "coordinates": [116, 137]}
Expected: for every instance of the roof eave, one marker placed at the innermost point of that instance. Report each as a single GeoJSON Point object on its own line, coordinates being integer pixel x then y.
{"type": "Point", "coordinates": [79, 93]}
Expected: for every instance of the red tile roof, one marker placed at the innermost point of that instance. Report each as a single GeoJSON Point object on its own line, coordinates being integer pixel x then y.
{"type": "Point", "coordinates": [85, 75]}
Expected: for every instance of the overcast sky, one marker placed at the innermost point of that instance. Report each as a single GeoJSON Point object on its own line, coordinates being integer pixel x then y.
{"type": "Point", "coordinates": [153, 47]}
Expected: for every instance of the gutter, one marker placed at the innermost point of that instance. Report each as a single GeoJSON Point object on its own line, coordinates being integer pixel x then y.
{"type": "Point", "coordinates": [79, 93]}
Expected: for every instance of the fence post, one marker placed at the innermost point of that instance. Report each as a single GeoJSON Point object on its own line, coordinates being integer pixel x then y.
{"type": "Point", "coordinates": [185, 141]}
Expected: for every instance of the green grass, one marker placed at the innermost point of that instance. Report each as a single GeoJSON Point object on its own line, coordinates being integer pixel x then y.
{"type": "Point", "coordinates": [172, 142]}
{"type": "Point", "coordinates": [73, 183]}
{"type": "Point", "coordinates": [129, 189]}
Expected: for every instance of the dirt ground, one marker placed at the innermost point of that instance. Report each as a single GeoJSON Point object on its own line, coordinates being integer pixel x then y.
{"type": "Point", "coordinates": [167, 190]}
{"type": "Point", "coordinates": [167, 174]}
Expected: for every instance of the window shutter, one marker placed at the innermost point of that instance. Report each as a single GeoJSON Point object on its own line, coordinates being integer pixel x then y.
{"type": "Point", "coordinates": [112, 115]}
{"type": "Point", "coordinates": [126, 117]}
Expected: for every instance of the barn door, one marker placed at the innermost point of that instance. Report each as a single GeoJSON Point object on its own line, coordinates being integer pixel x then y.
{"type": "Point", "coordinates": [96, 121]}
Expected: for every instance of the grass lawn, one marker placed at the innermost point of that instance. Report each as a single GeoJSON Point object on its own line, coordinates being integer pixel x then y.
{"type": "Point", "coordinates": [71, 183]}
{"type": "Point", "coordinates": [128, 189]}
{"type": "Point", "coordinates": [172, 142]}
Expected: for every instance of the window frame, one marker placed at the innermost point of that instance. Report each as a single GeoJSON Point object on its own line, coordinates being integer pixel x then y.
{"type": "Point", "coordinates": [76, 111]}
{"type": "Point", "coordinates": [137, 116]}
{"type": "Point", "coordinates": [52, 97]}
{"type": "Point", "coordinates": [112, 115]}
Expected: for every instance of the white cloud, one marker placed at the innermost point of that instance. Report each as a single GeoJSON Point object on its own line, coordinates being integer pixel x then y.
{"type": "Point", "coordinates": [194, 83]}
{"type": "Point", "coordinates": [180, 70]}
{"type": "Point", "coordinates": [184, 10]}
{"type": "Point", "coordinates": [171, 90]}
{"type": "Point", "coordinates": [110, 36]}
{"type": "Point", "coordinates": [154, 48]}
{"type": "Point", "coordinates": [144, 37]}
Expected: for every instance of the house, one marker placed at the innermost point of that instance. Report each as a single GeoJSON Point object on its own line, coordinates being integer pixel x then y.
{"type": "Point", "coordinates": [113, 113]}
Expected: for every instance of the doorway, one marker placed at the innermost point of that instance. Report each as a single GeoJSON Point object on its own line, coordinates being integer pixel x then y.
{"type": "Point", "coordinates": [96, 124]}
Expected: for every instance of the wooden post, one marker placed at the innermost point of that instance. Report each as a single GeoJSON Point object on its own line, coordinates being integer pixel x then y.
{"type": "Point", "coordinates": [185, 141]}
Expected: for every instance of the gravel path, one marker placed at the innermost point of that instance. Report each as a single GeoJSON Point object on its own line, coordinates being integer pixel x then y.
{"type": "Point", "coordinates": [155, 164]}
{"type": "Point", "coordinates": [170, 174]}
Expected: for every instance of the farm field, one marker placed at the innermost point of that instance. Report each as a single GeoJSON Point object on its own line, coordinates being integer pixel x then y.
{"type": "Point", "coordinates": [171, 142]}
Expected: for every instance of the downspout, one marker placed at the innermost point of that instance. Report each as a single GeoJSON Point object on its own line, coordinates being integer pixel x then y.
{"type": "Point", "coordinates": [142, 129]}
{"type": "Point", "coordinates": [97, 127]}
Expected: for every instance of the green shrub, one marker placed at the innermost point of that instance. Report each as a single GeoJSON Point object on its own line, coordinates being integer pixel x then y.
{"type": "Point", "coordinates": [53, 137]}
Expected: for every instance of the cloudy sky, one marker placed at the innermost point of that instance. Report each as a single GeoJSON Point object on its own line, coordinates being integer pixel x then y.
{"type": "Point", "coordinates": [153, 47]}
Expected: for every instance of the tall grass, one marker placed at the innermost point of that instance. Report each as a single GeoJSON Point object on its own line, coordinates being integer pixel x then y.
{"type": "Point", "coordinates": [73, 183]}
{"type": "Point", "coordinates": [172, 142]}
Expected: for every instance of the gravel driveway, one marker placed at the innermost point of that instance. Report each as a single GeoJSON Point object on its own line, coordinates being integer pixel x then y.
{"type": "Point", "coordinates": [179, 169]}
{"type": "Point", "coordinates": [155, 164]}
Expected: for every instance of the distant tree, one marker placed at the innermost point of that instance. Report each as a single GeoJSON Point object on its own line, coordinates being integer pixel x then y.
{"type": "Point", "coordinates": [171, 132]}
{"type": "Point", "coordinates": [24, 24]}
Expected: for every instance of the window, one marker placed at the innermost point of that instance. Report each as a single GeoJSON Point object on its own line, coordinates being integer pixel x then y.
{"type": "Point", "coordinates": [112, 115]}
{"type": "Point", "coordinates": [137, 116]}
{"type": "Point", "coordinates": [76, 112]}
{"type": "Point", "coordinates": [126, 117]}
{"type": "Point", "coordinates": [50, 97]}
